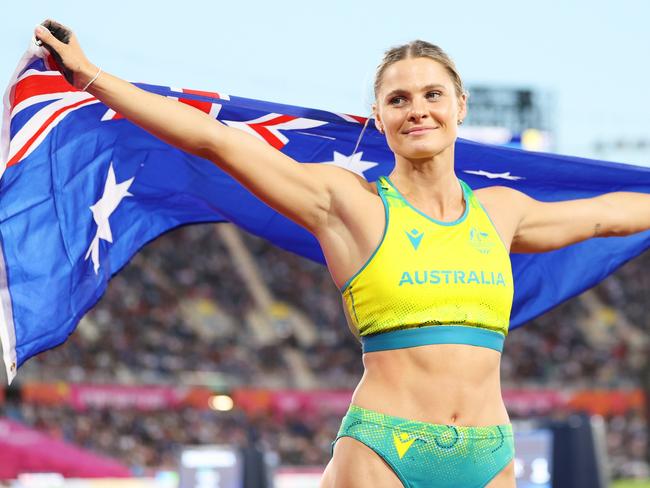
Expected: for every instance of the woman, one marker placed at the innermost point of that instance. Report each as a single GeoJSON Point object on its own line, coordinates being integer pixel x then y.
{"type": "Point", "coordinates": [422, 262]}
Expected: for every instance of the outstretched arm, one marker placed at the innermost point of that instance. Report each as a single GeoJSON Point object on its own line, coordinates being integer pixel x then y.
{"type": "Point", "coordinates": [545, 226]}
{"type": "Point", "coordinates": [300, 192]}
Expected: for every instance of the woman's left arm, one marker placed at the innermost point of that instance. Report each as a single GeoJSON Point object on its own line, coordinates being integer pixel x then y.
{"type": "Point", "coordinates": [545, 226]}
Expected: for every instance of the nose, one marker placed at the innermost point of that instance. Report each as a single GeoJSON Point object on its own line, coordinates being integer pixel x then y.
{"type": "Point", "coordinates": [418, 110]}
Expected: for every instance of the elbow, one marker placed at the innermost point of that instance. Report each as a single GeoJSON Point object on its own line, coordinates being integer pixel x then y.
{"type": "Point", "coordinates": [618, 228]}
{"type": "Point", "coordinates": [621, 230]}
{"type": "Point", "coordinates": [621, 215]}
{"type": "Point", "coordinates": [208, 141]}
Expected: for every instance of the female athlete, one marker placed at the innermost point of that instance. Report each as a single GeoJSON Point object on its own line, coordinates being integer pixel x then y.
{"type": "Point", "coordinates": [422, 262]}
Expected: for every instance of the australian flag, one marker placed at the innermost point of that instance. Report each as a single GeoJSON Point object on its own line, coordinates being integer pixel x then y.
{"type": "Point", "coordinates": [82, 190]}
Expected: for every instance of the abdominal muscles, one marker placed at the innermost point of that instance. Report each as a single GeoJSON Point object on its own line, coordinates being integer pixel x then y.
{"type": "Point", "coordinates": [450, 384]}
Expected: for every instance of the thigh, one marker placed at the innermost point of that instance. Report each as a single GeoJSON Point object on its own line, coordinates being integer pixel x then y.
{"type": "Point", "coordinates": [355, 465]}
{"type": "Point", "coordinates": [505, 478]}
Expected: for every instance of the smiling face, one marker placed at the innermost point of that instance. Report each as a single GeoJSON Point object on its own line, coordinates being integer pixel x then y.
{"type": "Point", "coordinates": [418, 108]}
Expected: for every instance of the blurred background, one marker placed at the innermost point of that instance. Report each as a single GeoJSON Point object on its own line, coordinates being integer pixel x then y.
{"type": "Point", "coordinates": [216, 360]}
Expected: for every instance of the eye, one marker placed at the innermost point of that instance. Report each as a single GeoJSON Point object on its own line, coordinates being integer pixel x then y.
{"type": "Point", "coordinates": [434, 95]}
{"type": "Point", "coordinates": [397, 100]}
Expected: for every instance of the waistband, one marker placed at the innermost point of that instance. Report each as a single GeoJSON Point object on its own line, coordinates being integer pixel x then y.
{"type": "Point", "coordinates": [363, 415]}
{"type": "Point", "coordinates": [433, 334]}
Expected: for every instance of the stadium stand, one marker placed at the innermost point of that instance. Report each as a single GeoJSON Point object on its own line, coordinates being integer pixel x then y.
{"type": "Point", "coordinates": [184, 313]}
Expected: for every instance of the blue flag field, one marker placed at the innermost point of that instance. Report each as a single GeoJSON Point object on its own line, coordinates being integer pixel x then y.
{"type": "Point", "coordinates": [82, 190]}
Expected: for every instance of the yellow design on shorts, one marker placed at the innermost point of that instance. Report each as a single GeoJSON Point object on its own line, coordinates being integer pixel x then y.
{"type": "Point", "coordinates": [402, 443]}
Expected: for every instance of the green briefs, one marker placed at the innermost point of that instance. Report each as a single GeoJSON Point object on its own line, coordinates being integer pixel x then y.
{"type": "Point", "coordinates": [426, 455]}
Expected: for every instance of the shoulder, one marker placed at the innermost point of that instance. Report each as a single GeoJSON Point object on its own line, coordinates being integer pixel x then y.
{"type": "Point", "coordinates": [352, 198]}
{"type": "Point", "coordinates": [498, 192]}
{"type": "Point", "coordinates": [499, 197]}
{"type": "Point", "coordinates": [506, 208]}
{"type": "Point", "coordinates": [340, 179]}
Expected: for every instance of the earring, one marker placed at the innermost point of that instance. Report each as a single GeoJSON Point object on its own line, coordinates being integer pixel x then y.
{"type": "Point", "coordinates": [460, 122]}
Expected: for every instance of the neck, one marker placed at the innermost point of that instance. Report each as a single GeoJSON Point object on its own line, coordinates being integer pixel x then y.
{"type": "Point", "coordinates": [430, 184]}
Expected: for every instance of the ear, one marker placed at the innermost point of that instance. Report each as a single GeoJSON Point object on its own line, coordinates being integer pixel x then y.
{"type": "Point", "coordinates": [377, 117]}
{"type": "Point", "coordinates": [462, 106]}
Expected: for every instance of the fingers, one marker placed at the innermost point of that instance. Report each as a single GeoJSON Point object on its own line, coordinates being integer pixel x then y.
{"type": "Point", "coordinates": [53, 34]}
{"type": "Point", "coordinates": [44, 36]}
{"type": "Point", "coordinates": [59, 31]}
{"type": "Point", "coordinates": [55, 37]}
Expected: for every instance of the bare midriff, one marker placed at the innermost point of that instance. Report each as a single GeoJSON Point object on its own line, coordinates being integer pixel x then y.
{"type": "Point", "coordinates": [449, 384]}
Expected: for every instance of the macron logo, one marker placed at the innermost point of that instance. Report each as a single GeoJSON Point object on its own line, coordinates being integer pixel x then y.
{"type": "Point", "coordinates": [402, 443]}
{"type": "Point", "coordinates": [415, 236]}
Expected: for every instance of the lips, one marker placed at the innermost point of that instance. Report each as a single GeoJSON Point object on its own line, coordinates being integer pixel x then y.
{"type": "Point", "coordinates": [419, 130]}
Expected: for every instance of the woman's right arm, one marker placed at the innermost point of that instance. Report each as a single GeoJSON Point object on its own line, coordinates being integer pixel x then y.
{"type": "Point", "coordinates": [301, 192]}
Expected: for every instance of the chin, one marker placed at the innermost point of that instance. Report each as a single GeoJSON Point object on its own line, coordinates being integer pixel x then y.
{"type": "Point", "coordinates": [421, 151]}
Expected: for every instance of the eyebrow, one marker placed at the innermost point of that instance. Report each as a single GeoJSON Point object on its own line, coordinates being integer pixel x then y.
{"type": "Point", "coordinates": [400, 91]}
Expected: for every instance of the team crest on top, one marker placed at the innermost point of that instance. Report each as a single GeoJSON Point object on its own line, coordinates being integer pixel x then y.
{"type": "Point", "coordinates": [480, 240]}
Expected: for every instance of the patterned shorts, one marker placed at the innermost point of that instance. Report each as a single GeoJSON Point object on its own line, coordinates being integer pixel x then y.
{"type": "Point", "coordinates": [426, 455]}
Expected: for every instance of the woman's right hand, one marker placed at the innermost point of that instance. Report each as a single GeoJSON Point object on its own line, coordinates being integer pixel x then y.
{"type": "Point", "coordinates": [61, 42]}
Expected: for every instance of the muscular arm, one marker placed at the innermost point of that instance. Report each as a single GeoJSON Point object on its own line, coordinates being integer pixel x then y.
{"type": "Point", "coordinates": [545, 226]}
{"type": "Point", "coordinates": [300, 192]}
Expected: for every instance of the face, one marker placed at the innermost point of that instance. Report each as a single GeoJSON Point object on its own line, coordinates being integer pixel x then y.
{"type": "Point", "coordinates": [418, 109]}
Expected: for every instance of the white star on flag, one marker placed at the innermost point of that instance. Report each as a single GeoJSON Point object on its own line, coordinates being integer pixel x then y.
{"type": "Point", "coordinates": [114, 193]}
{"type": "Point", "coordinates": [352, 163]}
{"type": "Point", "coordinates": [487, 174]}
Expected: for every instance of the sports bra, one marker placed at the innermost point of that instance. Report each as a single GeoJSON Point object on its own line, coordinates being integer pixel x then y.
{"type": "Point", "coordinates": [432, 282]}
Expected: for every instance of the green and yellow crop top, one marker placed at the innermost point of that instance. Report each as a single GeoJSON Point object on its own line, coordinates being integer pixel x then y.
{"type": "Point", "coordinates": [432, 282]}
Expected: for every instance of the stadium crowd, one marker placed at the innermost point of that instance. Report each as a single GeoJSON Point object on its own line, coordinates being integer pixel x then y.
{"type": "Point", "coordinates": [181, 308]}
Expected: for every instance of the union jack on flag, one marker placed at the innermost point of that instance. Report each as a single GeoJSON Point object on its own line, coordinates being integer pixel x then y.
{"type": "Point", "coordinates": [82, 190]}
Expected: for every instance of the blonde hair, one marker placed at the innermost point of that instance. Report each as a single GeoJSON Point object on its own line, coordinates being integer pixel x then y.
{"type": "Point", "coordinates": [419, 49]}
